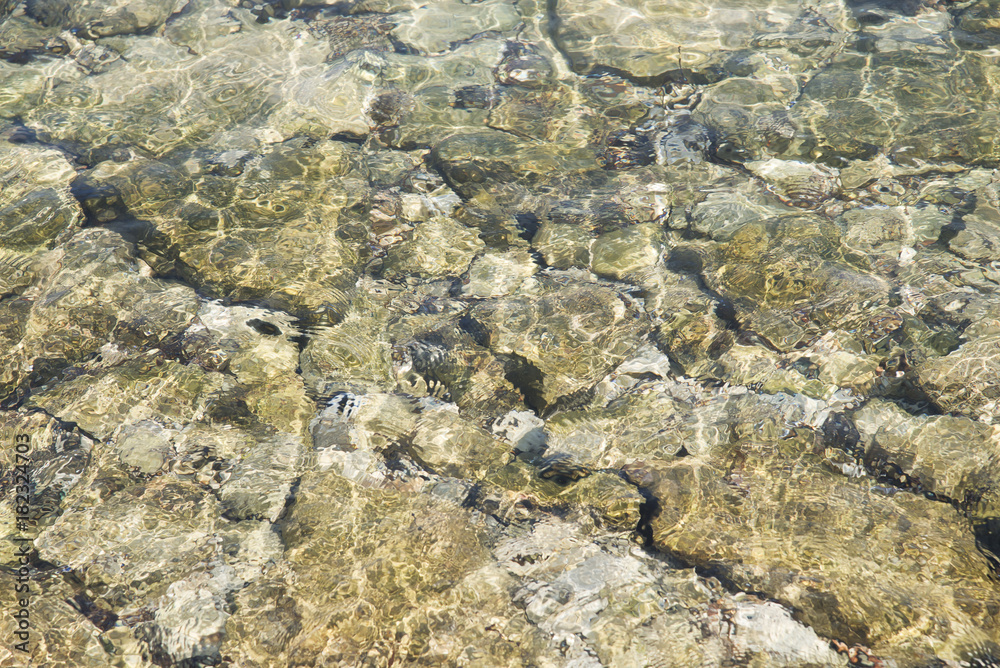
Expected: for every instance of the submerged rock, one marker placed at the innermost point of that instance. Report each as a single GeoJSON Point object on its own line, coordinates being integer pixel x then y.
{"type": "Point", "coordinates": [950, 457]}
{"type": "Point", "coordinates": [965, 381]}
{"type": "Point", "coordinates": [53, 457]}
{"type": "Point", "coordinates": [649, 39]}
{"type": "Point", "coordinates": [6, 7]}
{"type": "Point", "coordinates": [900, 102]}
{"type": "Point", "coordinates": [84, 296]}
{"type": "Point", "coordinates": [798, 183]}
{"type": "Point", "coordinates": [396, 553]}
{"type": "Point", "coordinates": [136, 100]}
{"type": "Point", "coordinates": [61, 631]}
{"type": "Point", "coordinates": [847, 577]}
{"type": "Point", "coordinates": [561, 339]}
{"type": "Point", "coordinates": [439, 247]}
{"type": "Point", "coordinates": [222, 220]}
{"type": "Point", "coordinates": [537, 303]}
{"type": "Point", "coordinates": [434, 29]}
{"type": "Point", "coordinates": [108, 548]}
{"type": "Point", "coordinates": [607, 597]}
{"type": "Point", "coordinates": [37, 208]}
{"type": "Point", "coordinates": [95, 19]}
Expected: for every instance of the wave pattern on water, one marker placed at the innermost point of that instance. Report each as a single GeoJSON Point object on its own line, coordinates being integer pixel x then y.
{"type": "Point", "coordinates": [495, 333]}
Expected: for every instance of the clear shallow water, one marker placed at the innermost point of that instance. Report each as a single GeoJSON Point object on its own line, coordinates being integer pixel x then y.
{"type": "Point", "coordinates": [580, 333]}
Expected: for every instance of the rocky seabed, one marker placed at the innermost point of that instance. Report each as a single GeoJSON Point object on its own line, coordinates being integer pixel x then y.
{"type": "Point", "coordinates": [491, 333]}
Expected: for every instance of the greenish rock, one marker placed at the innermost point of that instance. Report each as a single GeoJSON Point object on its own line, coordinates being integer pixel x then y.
{"type": "Point", "coordinates": [558, 113]}
{"type": "Point", "coordinates": [623, 254]}
{"type": "Point", "coordinates": [499, 274]}
{"type": "Point", "coordinates": [260, 483]}
{"type": "Point", "coordinates": [821, 371]}
{"type": "Point", "coordinates": [135, 543]}
{"type": "Point", "coordinates": [842, 552]}
{"type": "Point", "coordinates": [521, 486]}
{"type": "Point", "coordinates": [55, 459]}
{"type": "Point", "coordinates": [723, 213]}
{"type": "Point", "coordinates": [750, 112]}
{"type": "Point", "coordinates": [414, 104]}
{"type": "Point", "coordinates": [439, 247]}
{"type": "Point", "coordinates": [796, 183]}
{"type": "Point", "coordinates": [58, 630]}
{"type": "Point", "coordinates": [159, 412]}
{"type": "Point", "coordinates": [398, 552]}
{"type": "Point", "coordinates": [434, 30]}
{"type": "Point", "coordinates": [496, 167]}
{"type": "Point", "coordinates": [204, 24]}
{"type": "Point", "coordinates": [775, 296]}
{"type": "Point", "coordinates": [651, 39]}
{"type": "Point", "coordinates": [662, 420]}
{"type": "Point", "coordinates": [36, 206]}
{"type": "Point", "coordinates": [153, 387]}
{"type": "Point", "coordinates": [6, 7]}
{"type": "Point", "coordinates": [951, 457]}
{"type": "Point", "coordinates": [563, 245]}
{"type": "Point", "coordinates": [25, 85]}
{"type": "Point", "coordinates": [330, 101]}
{"type": "Point", "coordinates": [964, 381]}
{"type": "Point", "coordinates": [87, 294]}
{"type": "Point", "coordinates": [449, 445]}
{"type": "Point", "coordinates": [851, 109]}
{"type": "Point", "coordinates": [228, 231]}
{"type": "Point", "coordinates": [437, 437]}
{"type": "Point", "coordinates": [21, 38]}
{"type": "Point", "coordinates": [96, 19]}
{"type": "Point", "coordinates": [353, 355]}
{"type": "Point", "coordinates": [559, 354]}
{"type": "Point", "coordinates": [103, 112]}
{"type": "Point", "coordinates": [882, 231]}
{"type": "Point", "coordinates": [979, 240]}
{"type": "Point", "coordinates": [450, 360]}
{"type": "Point", "coordinates": [646, 422]}
{"type": "Point", "coordinates": [258, 347]}
{"type": "Point", "coordinates": [144, 446]}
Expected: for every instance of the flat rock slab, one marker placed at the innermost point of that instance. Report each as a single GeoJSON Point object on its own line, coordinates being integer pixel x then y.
{"type": "Point", "coordinates": [858, 564]}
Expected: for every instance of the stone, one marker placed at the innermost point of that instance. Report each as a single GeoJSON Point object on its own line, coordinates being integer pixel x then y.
{"type": "Point", "coordinates": [653, 39]}
{"type": "Point", "coordinates": [440, 247]}
{"type": "Point", "coordinates": [427, 31]}
{"type": "Point", "coordinates": [950, 457]}
{"type": "Point", "coordinates": [37, 208]}
{"type": "Point", "coordinates": [94, 19]}
{"type": "Point", "coordinates": [229, 234]}
{"type": "Point", "coordinates": [560, 353]}
{"type": "Point", "coordinates": [134, 544]}
{"type": "Point", "coordinates": [85, 295]}
{"type": "Point", "coordinates": [55, 461]}
{"type": "Point", "coordinates": [624, 253]}
{"type": "Point", "coordinates": [397, 551]}
{"type": "Point", "coordinates": [497, 275]}
{"type": "Point", "coordinates": [839, 575]}
{"type": "Point", "coordinates": [964, 381]}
